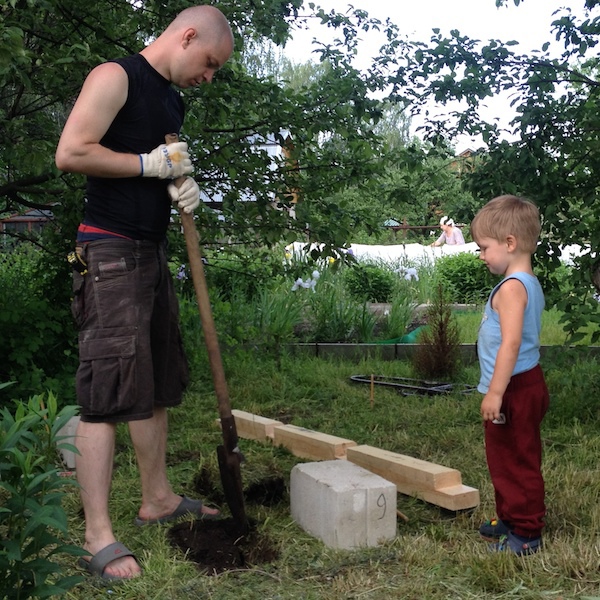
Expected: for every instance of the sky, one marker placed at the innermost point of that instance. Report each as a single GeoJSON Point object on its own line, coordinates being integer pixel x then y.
{"type": "Point", "coordinates": [528, 24]}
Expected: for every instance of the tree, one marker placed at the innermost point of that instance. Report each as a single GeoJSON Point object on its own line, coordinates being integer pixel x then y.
{"type": "Point", "coordinates": [555, 156]}
{"type": "Point", "coordinates": [47, 48]}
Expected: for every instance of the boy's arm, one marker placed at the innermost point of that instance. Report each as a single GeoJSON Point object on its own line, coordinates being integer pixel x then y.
{"type": "Point", "coordinates": [509, 302]}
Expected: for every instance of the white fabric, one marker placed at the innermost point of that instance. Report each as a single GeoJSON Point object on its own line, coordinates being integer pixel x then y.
{"type": "Point", "coordinates": [414, 253]}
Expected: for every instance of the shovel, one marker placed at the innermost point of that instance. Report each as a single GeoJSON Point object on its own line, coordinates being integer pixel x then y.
{"type": "Point", "coordinates": [228, 453]}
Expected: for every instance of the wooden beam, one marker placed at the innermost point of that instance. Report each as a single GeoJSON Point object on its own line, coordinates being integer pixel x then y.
{"type": "Point", "coordinates": [414, 477]}
{"type": "Point", "coordinates": [306, 443]}
{"type": "Point", "coordinates": [253, 427]}
{"type": "Point", "coordinates": [421, 474]}
{"type": "Point", "coordinates": [458, 497]}
{"type": "Point", "coordinates": [421, 479]}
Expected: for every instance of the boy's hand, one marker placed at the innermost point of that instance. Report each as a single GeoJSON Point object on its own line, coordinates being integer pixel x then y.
{"type": "Point", "coordinates": [490, 406]}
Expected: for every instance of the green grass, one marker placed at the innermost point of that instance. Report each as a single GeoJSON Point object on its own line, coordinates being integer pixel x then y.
{"type": "Point", "coordinates": [553, 333]}
{"type": "Point", "coordinates": [436, 554]}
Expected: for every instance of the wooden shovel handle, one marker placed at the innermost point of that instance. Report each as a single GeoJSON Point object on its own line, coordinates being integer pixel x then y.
{"type": "Point", "coordinates": [208, 325]}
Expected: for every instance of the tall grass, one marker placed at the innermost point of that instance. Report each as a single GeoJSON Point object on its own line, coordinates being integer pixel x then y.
{"type": "Point", "coordinates": [553, 333]}
{"type": "Point", "coordinates": [436, 555]}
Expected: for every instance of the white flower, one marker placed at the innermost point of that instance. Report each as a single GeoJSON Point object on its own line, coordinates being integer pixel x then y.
{"type": "Point", "coordinates": [308, 284]}
{"type": "Point", "coordinates": [316, 275]}
{"type": "Point", "coordinates": [411, 273]}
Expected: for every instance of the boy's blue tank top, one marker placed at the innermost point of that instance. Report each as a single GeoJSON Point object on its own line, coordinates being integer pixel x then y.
{"type": "Point", "coordinates": [489, 338]}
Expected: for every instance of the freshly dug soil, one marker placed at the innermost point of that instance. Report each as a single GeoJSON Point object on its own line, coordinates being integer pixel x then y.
{"type": "Point", "coordinates": [219, 545]}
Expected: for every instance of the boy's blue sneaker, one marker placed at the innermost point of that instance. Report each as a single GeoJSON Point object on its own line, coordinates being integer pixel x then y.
{"type": "Point", "coordinates": [493, 530]}
{"type": "Point", "coordinates": [517, 544]}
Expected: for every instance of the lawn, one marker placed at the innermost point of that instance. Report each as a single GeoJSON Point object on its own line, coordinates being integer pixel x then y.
{"type": "Point", "coordinates": [435, 555]}
{"type": "Point", "coordinates": [553, 333]}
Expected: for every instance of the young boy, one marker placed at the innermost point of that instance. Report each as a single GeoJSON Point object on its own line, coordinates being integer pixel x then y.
{"type": "Point", "coordinates": [515, 394]}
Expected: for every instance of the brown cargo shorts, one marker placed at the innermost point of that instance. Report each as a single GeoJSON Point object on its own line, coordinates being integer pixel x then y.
{"type": "Point", "coordinates": [131, 356]}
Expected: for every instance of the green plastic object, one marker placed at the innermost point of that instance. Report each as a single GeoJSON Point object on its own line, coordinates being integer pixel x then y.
{"type": "Point", "coordinates": [409, 338]}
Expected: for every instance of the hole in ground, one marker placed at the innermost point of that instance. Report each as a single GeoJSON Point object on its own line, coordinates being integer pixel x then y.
{"type": "Point", "coordinates": [217, 546]}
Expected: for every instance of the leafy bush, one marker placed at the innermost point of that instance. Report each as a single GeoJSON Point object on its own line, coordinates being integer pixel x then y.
{"type": "Point", "coordinates": [32, 519]}
{"type": "Point", "coordinates": [242, 272]}
{"type": "Point", "coordinates": [465, 277]}
{"type": "Point", "coordinates": [369, 282]}
{"type": "Point", "coordinates": [38, 349]}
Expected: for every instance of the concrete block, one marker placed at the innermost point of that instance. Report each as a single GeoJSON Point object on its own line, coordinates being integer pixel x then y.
{"type": "Point", "coordinates": [254, 427]}
{"type": "Point", "coordinates": [306, 443]}
{"type": "Point", "coordinates": [342, 504]}
{"type": "Point", "coordinates": [67, 432]}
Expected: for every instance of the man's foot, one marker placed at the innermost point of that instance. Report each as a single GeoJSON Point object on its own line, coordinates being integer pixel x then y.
{"type": "Point", "coordinates": [114, 562]}
{"type": "Point", "coordinates": [517, 544]}
{"type": "Point", "coordinates": [493, 530]}
{"type": "Point", "coordinates": [187, 507]}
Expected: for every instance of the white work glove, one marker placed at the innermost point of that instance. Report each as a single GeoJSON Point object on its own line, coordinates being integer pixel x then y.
{"type": "Point", "coordinates": [167, 161]}
{"type": "Point", "coordinates": [187, 195]}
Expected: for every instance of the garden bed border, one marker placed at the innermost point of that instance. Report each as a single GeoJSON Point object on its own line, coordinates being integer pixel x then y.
{"type": "Point", "coordinates": [468, 352]}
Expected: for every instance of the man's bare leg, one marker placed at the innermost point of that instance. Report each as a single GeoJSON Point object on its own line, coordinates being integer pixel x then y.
{"type": "Point", "coordinates": [149, 437]}
{"type": "Point", "coordinates": [94, 466]}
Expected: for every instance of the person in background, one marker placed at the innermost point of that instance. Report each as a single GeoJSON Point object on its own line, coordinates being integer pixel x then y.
{"type": "Point", "coordinates": [515, 397]}
{"type": "Point", "coordinates": [451, 234]}
{"type": "Point", "coordinates": [132, 365]}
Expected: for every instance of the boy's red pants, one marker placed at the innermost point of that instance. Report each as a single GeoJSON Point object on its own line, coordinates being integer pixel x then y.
{"type": "Point", "coordinates": [514, 454]}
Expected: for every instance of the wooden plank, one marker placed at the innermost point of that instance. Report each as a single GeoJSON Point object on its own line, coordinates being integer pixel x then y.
{"type": "Point", "coordinates": [253, 427]}
{"type": "Point", "coordinates": [306, 443]}
{"type": "Point", "coordinates": [458, 497]}
{"type": "Point", "coordinates": [415, 474]}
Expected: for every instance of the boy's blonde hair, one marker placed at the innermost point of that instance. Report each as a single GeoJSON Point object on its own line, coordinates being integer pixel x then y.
{"type": "Point", "coordinates": [508, 215]}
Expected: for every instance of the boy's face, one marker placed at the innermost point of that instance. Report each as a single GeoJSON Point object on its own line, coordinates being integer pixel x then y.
{"type": "Point", "coordinates": [495, 254]}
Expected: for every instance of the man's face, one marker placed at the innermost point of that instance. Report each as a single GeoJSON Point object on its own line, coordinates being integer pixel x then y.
{"type": "Point", "coordinates": [202, 60]}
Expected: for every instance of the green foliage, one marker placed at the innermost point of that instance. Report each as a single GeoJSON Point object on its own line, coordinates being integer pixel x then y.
{"type": "Point", "coordinates": [370, 282]}
{"type": "Point", "coordinates": [38, 334]}
{"type": "Point", "coordinates": [438, 352]}
{"type": "Point", "coordinates": [555, 162]}
{"type": "Point", "coordinates": [400, 315]}
{"type": "Point", "coordinates": [572, 378]}
{"type": "Point", "coordinates": [350, 163]}
{"type": "Point", "coordinates": [277, 313]}
{"type": "Point", "coordinates": [32, 520]}
{"type": "Point", "coordinates": [242, 272]}
{"type": "Point", "coordinates": [334, 315]}
{"type": "Point", "coordinates": [465, 278]}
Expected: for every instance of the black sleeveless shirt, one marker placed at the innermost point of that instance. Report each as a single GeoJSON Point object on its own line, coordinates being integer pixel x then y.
{"type": "Point", "coordinates": [137, 207]}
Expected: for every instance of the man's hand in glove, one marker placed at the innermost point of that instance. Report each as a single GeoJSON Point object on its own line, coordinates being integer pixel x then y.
{"type": "Point", "coordinates": [187, 195]}
{"type": "Point", "coordinates": [167, 161]}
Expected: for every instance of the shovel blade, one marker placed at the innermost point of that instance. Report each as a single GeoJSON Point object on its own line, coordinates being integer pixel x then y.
{"type": "Point", "coordinates": [231, 478]}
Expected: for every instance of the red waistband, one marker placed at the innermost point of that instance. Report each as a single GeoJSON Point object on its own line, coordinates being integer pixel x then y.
{"type": "Point", "coordinates": [89, 233]}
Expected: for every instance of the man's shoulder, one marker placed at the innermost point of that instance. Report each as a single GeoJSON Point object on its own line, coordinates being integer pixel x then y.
{"type": "Point", "coordinates": [106, 74]}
